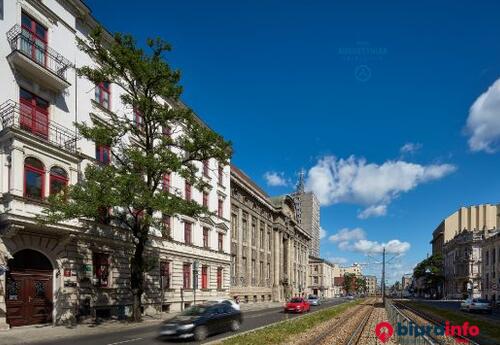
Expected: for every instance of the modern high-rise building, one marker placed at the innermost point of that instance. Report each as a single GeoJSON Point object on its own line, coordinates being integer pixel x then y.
{"type": "Point", "coordinates": [308, 213]}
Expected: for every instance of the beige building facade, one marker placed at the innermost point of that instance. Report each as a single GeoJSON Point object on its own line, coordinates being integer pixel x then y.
{"type": "Point", "coordinates": [491, 267]}
{"type": "Point", "coordinates": [322, 277]}
{"type": "Point", "coordinates": [371, 285]}
{"type": "Point", "coordinates": [269, 249]}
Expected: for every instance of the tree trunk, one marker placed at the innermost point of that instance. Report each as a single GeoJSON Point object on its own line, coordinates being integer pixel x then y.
{"type": "Point", "coordinates": [137, 280]}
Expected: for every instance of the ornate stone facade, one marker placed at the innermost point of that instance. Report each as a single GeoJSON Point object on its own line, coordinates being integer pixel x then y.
{"type": "Point", "coordinates": [269, 249]}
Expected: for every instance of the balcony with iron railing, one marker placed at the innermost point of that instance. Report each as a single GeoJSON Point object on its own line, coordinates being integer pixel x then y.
{"type": "Point", "coordinates": [33, 122]}
{"type": "Point", "coordinates": [36, 59]}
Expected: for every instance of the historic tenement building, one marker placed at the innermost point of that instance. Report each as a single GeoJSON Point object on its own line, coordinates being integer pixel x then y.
{"type": "Point", "coordinates": [371, 285]}
{"type": "Point", "coordinates": [491, 266]}
{"type": "Point", "coordinates": [75, 270]}
{"type": "Point", "coordinates": [462, 265]}
{"type": "Point", "coordinates": [471, 218]}
{"type": "Point", "coordinates": [321, 277]}
{"type": "Point", "coordinates": [308, 214]}
{"type": "Point", "coordinates": [268, 247]}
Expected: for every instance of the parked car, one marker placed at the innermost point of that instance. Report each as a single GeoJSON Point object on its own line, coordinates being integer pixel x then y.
{"type": "Point", "coordinates": [476, 304]}
{"type": "Point", "coordinates": [313, 300]}
{"type": "Point", "coordinates": [202, 320]}
{"type": "Point", "coordinates": [227, 301]}
{"type": "Point", "coordinates": [297, 305]}
{"type": "Point", "coordinates": [349, 297]}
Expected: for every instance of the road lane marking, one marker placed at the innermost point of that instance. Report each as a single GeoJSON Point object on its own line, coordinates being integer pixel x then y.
{"type": "Point", "coordinates": [125, 341]}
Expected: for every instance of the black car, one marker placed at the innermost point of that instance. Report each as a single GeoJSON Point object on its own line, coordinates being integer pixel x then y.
{"type": "Point", "coordinates": [201, 320]}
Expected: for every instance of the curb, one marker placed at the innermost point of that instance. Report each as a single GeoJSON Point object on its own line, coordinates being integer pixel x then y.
{"type": "Point", "coordinates": [217, 341]}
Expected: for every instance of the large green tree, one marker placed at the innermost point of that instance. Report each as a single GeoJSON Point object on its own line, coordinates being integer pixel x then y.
{"type": "Point", "coordinates": [361, 286]}
{"type": "Point", "coordinates": [141, 153]}
{"type": "Point", "coordinates": [349, 283]}
{"type": "Point", "coordinates": [431, 272]}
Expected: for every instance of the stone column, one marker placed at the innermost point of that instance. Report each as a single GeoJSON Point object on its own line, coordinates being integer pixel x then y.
{"type": "Point", "coordinates": [16, 171]}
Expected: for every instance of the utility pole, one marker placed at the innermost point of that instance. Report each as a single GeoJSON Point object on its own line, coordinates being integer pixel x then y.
{"type": "Point", "coordinates": [383, 276]}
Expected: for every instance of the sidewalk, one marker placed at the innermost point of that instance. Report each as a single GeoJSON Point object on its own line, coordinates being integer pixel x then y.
{"type": "Point", "coordinates": [32, 334]}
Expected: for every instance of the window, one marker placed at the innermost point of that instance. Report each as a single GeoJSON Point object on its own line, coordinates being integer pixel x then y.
{"type": "Point", "coordinates": [234, 225]}
{"type": "Point", "coordinates": [33, 39]}
{"type": "Point", "coordinates": [205, 237]}
{"type": "Point", "coordinates": [254, 231]}
{"type": "Point", "coordinates": [100, 263]}
{"type": "Point", "coordinates": [220, 174]}
{"type": "Point", "coordinates": [244, 225]}
{"type": "Point", "coordinates": [186, 276]}
{"type": "Point", "coordinates": [220, 208]}
{"type": "Point", "coordinates": [167, 181]}
{"type": "Point", "coordinates": [220, 241]}
{"type": "Point", "coordinates": [187, 191]}
{"type": "Point", "coordinates": [103, 215]}
{"type": "Point", "coordinates": [187, 232]}
{"type": "Point", "coordinates": [34, 181]}
{"type": "Point", "coordinates": [269, 241]}
{"type": "Point", "coordinates": [165, 274]}
{"type": "Point", "coordinates": [205, 199]}
{"type": "Point", "coordinates": [34, 114]}
{"type": "Point", "coordinates": [167, 131]}
{"type": "Point", "coordinates": [262, 235]}
{"type": "Point", "coordinates": [205, 168]}
{"type": "Point", "coordinates": [487, 257]}
{"type": "Point", "coordinates": [167, 227]}
{"type": "Point", "coordinates": [261, 272]}
{"type": "Point", "coordinates": [102, 153]}
{"type": "Point", "coordinates": [204, 277]}
{"type": "Point", "coordinates": [58, 180]}
{"type": "Point", "coordinates": [219, 278]}
{"type": "Point", "coordinates": [102, 94]}
{"type": "Point", "coordinates": [139, 119]}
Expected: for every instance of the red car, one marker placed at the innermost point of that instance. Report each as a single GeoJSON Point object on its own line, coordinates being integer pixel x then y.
{"type": "Point", "coordinates": [297, 305]}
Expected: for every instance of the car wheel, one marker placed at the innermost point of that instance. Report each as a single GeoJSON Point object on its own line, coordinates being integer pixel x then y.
{"type": "Point", "coordinates": [235, 325]}
{"type": "Point", "coordinates": [200, 333]}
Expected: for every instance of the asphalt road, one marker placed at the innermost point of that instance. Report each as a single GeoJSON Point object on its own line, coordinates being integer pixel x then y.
{"type": "Point", "coordinates": [495, 315]}
{"type": "Point", "coordinates": [148, 335]}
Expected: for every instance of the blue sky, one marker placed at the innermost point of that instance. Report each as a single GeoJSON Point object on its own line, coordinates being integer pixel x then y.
{"type": "Point", "coordinates": [300, 86]}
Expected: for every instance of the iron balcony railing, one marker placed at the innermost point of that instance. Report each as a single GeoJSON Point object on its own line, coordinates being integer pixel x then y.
{"type": "Point", "coordinates": [12, 115]}
{"type": "Point", "coordinates": [25, 42]}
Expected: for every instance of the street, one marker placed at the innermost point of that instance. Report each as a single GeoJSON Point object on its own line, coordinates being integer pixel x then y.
{"type": "Point", "coordinates": [454, 305]}
{"type": "Point", "coordinates": [149, 334]}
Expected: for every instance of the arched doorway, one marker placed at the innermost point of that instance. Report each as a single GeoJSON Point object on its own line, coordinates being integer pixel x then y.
{"type": "Point", "coordinates": [28, 293]}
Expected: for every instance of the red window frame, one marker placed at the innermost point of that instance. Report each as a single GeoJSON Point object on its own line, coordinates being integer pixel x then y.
{"type": "Point", "coordinates": [205, 168]}
{"type": "Point", "coordinates": [167, 223]}
{"type": "Point", "coordinates": [100, 263]}
{"type": "Point", "coordinates": [188, 229]}
{"type": "Point", "coordinates": [186, 276]}
{"type": "Point", "coordinates": [205, 199]}
{"type": "Point", "coordinates": [167, 177]}
{"type": "Point", "coordinates": [103, 89]}
{"type": "Point", "coordinates": [41, 173]}
{"type": "Point", "coordinates": [100, 151]}
{"type": "Point", "coordinates": [165, 274]}
{"type": "Point", "coordinates": [204, 277]}
{"type": "Point", "coordinates": [220, 174]}
{"type": "Point", "coordinates": [220, 208]}
{"type": "Point", "coordinates": [34, 118]}
{"type": "Point", "coordinates": [220, 241]}
{"type": "Point", "coordinates": [139, 119]}
{"type": "Point", "coordinates": [58, 178]}
{"type": "Point", "coordinates": [35, 37]}
{"type": "Point", "coordinates": [187, 190]}
{"type": "Point", "coordinates": [205, 237]}
{"type": "Point", "coordinates": [219, 278]}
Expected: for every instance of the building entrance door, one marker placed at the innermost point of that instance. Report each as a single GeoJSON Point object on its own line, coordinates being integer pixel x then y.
{"type": "Point", "coordinates": [28, 294]}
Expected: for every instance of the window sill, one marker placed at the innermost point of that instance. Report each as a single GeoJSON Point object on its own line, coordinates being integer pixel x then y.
{"type": "Point", "coordinates": [101, 107]}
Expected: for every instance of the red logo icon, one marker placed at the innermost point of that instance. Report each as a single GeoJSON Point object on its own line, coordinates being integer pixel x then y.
{"type": "Point", "coordinates": [384, 331]}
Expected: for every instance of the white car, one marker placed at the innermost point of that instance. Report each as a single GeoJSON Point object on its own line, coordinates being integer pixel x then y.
{"type": "Point", "coordinates": [476, 304]}
{"type": "Point", "coordinates": [230, 302]}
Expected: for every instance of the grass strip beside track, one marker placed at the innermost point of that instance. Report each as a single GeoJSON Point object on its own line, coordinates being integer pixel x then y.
{"type": "Point", "coordinates": [282, 332]}
{"type": "Point", "coordinates": [489, 330]}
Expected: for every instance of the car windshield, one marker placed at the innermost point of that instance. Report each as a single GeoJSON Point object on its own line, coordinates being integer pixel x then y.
{"type": "Point", "coordinates": [480, 300]}
{"type": "Point", "coordinates": [313, 297]}
{"type": "Point", "coordinates": [195, 310]}
{"type": "Point", "coordinates": [296, 300]}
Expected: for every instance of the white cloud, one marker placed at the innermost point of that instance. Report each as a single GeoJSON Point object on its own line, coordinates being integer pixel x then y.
{"type": "Point", "coordinates": [374, 247]}
{"type": "Point", "coordinates": [347, 235]}
{"type": "Point", "coordinates": [322, 233]}
{"type": "Point", "coordinates": [410, 148]}
{"type": "Point", "coordinates": [275, 179]}
{"type": "Point", "coordinates": [373, 211]}
{"type": "Point", "coordinates": [483, 123]}
{"type": "Point", "coordinates": [353, 180]}
{"type": "Point", "coordinates": [337, 260]}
